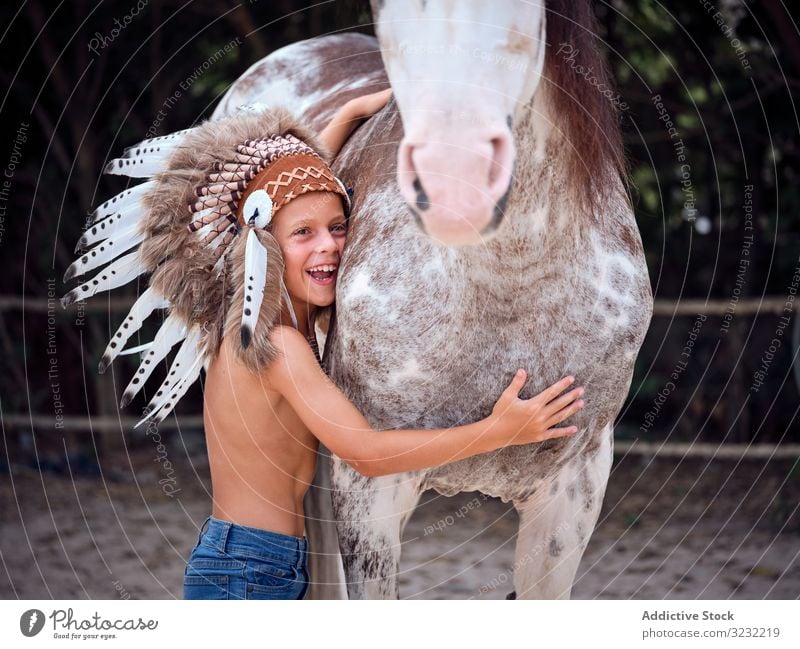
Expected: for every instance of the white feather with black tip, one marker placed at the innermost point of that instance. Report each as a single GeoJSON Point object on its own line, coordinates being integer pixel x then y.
{"type": "Point", "coordinates": [148, 302]}
{"type": "Point", "coordinates": [122, 201]}
{"type": "Point", "coordinates": [182, 373]}
{"type": "Point", "coordinates": [111, 226]}
{"type": "Point", "coordinates": [147, 158]}
{"type": "Point", "coordinates": [171, 332]}
{"type": "Point", "coordinates": [255, 280]}
{"type": "Point", "coordinates": [105, 252]}
{"type": "Point", "coordinates": [128, 351]}
{"type": "Point", "coordinates": [256, 212]}
{"type": "Point", "coordinates": [125, 217]}
{"type": "Point", "coordinates": [119, 273]}
{"type": "Point", "coordinates": [168, 401]}
{"type": "Point", "coordinates": [161, 139]}
{"type": "Point", "coordinates": [140, 166]}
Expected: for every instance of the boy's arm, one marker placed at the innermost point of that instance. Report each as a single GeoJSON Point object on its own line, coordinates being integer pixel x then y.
{"type": "Point", "coordinates": [338, 424]}
{"type": "Point", "coordinates": [345, 120]}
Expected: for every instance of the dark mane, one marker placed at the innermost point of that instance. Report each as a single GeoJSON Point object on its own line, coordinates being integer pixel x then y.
{"type": "Point", "coordinates": [588, 120]}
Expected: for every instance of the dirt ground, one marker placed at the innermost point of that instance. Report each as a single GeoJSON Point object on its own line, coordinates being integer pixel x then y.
{"type": "Point", "coordinates": [668, 529]}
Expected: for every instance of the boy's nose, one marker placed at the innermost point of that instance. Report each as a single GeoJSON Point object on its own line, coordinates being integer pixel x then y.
{"type": "Point", "coordinates": [326, 242]}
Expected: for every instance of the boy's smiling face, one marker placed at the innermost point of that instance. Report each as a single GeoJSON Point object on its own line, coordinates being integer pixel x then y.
{"type": "Point", "coordinates": [311, 231]}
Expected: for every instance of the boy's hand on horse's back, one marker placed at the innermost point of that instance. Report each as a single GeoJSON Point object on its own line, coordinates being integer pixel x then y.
{"type": "Point", "coordinates": [349, 116]}
{"type": "Point", "coordinates": [367, 105]}
{"type": "Point", "coordinates": [526, 421]}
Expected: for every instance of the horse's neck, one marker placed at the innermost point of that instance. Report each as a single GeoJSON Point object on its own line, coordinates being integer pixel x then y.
{"type": "Point", "coordinates": [541, 225]}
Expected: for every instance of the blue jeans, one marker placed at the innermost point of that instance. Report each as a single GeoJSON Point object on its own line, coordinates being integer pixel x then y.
{"type": "Point", "coordinates": [236, 562]}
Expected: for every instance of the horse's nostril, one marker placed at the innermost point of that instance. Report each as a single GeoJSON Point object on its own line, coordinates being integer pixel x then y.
{"type": "Point", "coordinates": [499, 210]}
{"type": "Point", "coordinates": [421, 200]}
{"type": "Point", "coordinates": [499, 145]}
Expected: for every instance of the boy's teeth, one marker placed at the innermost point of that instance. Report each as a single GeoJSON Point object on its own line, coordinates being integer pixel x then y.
{"type": "Point", "coordinates": [328, 268]}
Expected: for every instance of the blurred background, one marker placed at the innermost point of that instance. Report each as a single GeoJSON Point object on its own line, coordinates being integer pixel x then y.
{"type": "Point", "coordinates": [717, 202]}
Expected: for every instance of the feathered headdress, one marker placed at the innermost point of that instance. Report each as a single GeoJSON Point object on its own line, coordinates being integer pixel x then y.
{"type": "Point", "coordinates": [199, 225]}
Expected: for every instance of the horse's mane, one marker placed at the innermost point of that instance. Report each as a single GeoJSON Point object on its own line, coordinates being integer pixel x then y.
{"type": "Point", "coordinates": [594, 155]}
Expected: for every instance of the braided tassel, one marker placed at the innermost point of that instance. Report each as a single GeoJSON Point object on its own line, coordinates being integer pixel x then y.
{"type": "Point", "coordinates": [250, 160]}
{"type": "Point", "coordinates": [231, 176]}
{"type": "Point", "coordinates": [220, 188]}
{"type": "Point", "coordinates": [226, 240]}
{"type": "Point", "coordinates": [215, 200]}
{"type": "Point", "coordinates": [212, 216]}
{"type": "Point", "coordinates": [234, 167]}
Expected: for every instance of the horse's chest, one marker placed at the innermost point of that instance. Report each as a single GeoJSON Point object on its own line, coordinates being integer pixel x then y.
{"type": "Point", "coordinates": [426, 348]}
{"type": "Point", "coordinates": [418, 346]}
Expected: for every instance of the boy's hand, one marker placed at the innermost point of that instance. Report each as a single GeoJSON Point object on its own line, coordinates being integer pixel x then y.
{"type": "Point", "coordinates": [367, 105]}
{"type": "Point", "coordinates": [335, 134]}
{"type": "Point", "coordinates": [525, 421]}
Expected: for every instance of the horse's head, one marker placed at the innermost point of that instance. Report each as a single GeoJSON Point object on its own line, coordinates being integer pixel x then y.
{"type": "Point", "coordinates": [459, 71]}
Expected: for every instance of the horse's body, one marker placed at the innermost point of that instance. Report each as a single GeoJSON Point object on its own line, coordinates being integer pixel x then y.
{"type": "Point", "coordinates": [428, 335]}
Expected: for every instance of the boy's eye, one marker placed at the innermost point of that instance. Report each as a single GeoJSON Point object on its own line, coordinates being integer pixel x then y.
{"type": "Point", "coordinates": [339, 227]}
{"type": "Point", "coordinates": [301, 231]}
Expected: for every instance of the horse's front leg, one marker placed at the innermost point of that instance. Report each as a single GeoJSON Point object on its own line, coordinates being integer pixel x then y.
{"type": "Point", "coordinates": [370, 516]}
{"type": "Point", "coordinates": [556, 522]}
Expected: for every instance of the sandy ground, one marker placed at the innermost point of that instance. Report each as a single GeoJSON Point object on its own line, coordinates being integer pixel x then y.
{"type": "Point", "coordinates": [667, 530]}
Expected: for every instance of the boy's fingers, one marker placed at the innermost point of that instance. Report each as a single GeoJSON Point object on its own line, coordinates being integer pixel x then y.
{"type": "Point", "coordinates": [561, 415]}
{"type": "Point", "coordinates": [557, 388]}
{"type": "Point", "coordinates": [516, 383]}
{"type": "Point", "coordinates": [563, 401]}
{"type": "Point", "coordinates": [552, 433]}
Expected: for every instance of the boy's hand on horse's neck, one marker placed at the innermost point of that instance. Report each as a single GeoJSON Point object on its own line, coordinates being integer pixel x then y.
{"type": "Point", "coordinates": [349, 116]}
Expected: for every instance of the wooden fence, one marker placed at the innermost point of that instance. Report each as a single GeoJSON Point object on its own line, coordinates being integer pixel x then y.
{"type": "Point", "coordinates": [661, 308]}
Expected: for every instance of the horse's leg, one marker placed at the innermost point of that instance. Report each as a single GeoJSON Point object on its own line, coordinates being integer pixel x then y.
{"type": "Point", "coordinates": [556, 523]}
{"type": "Point", "coordinates": [371, 514]}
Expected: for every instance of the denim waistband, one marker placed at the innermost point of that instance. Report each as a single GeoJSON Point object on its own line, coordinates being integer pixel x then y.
{"type": "Point", "coordinates": [240, 539]}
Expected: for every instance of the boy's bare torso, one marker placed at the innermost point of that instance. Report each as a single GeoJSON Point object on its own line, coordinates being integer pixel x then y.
{"type": "Point", "coordinates": [261, 455]}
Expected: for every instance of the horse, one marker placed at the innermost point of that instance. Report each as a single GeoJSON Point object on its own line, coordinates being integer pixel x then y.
{"type": "Point", "coordinates": [491, 229]}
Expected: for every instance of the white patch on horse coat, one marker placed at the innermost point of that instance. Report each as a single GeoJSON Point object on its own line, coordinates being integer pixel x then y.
{"type": "Point", "coordinates": [360, 288]}
{"type": "Point", "coordinates": [410, 371]}
{"type": "Point", "coordinates": [611, 279]}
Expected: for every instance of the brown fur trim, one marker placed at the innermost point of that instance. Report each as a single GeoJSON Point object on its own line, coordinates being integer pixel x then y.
{"type": "Point", "coordinates": [182, 267]}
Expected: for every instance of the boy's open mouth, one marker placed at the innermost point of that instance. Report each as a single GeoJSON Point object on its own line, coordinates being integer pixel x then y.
{"type": "Point", "coordinates": [324, 274]}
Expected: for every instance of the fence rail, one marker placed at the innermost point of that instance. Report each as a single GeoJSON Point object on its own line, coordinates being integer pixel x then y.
{"type": "Point", "coordinates": [661, 308]}
{"type": "Point", "coordinates": [101, 423]}
{"type": "Point", "coordinates": [109, 423]}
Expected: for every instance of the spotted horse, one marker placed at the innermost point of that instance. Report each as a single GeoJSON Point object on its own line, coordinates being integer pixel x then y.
{"type": "Point", "coordinates": [491, 230]}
